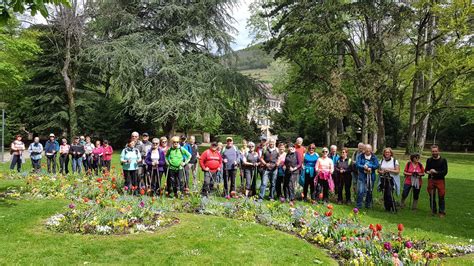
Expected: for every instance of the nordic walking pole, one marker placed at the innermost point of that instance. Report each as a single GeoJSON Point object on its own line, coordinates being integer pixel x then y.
{"type": "Point", "coordinates": [166, 179]}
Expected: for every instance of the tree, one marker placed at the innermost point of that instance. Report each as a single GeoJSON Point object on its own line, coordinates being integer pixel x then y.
{"type": "Point", "coordinates": [9, 6]}
{"type": "Point", "coordinates": [442, 57]}
{"type": "Point", "coordinates": [160, 60]}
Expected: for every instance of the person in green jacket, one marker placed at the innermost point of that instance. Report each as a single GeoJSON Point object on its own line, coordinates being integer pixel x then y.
{"type": "Point", "coordinates": [176, 158]}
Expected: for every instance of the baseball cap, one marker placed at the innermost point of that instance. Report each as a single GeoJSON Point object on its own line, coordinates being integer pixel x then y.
{"type": "Point", "coordinates": [214, 144]}
{"type": "Point", "coordinates": [145, 135]}
{"type": "Point", "coordinates": [229, 138]}
{"type": "Point", "coordinates": [52, 135]}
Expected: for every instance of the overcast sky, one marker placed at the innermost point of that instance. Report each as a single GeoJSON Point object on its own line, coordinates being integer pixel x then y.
{"type": "Point", "coordinates": [241, 14]}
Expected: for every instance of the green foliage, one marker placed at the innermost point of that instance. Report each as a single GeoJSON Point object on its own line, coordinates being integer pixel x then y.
{"type": "Point", "coordinates": [7, 7]}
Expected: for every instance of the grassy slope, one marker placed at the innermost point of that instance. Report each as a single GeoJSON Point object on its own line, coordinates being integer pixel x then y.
{"type": "Point", "coordinates": [455, 227]}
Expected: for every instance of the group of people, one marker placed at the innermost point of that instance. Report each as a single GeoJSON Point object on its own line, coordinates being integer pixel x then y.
{"type": "Point", "coordinates": [280, 168]}
{"type": "Point", "coordinates": [82, 153]}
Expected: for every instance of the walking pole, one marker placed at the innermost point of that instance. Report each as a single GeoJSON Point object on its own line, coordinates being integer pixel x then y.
{"type": "Point", "coordinates": [166, 180]}
{"type": "Point", "coordinates": [369, 188]}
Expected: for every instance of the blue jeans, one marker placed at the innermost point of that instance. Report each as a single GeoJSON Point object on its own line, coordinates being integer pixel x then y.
{"type": "Point", "coordinates": [76, 165]}
{"type": "Point", "coordinates": [272, 176]}
{"type": "Point", "coordinates": [362, 190]}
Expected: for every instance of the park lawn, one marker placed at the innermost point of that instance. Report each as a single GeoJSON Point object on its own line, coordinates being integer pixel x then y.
{"type": "Point", "coordinates": [197, 239]}
{"type": "Point", "coordinates": [456, 227]}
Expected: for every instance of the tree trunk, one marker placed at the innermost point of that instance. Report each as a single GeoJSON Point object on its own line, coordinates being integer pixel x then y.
{"type": "Point", "coordinates": [169, 127]}
{"type": "Point", "coordinates": [380, 128]}
{"type": "Point", "coordinates": [430, 51]}
{"type": "Point", "coordinates": [69, 87]}
{"type": "Point", "coordinates": [332, 131]}
{"type": "Point", "coordinates": [374, 139]}
{"type": "Point", "coordinates": [365, 123]}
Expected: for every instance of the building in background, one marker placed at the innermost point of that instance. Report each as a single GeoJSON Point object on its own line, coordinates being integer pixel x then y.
{"type": "Point", "coordinates": [260, 111]}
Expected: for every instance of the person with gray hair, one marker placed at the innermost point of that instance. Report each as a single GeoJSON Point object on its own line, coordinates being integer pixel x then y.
{"type": "Point", "coordinates": [367, 164]}
{"type": "Point", "coordinates": [35, 149]}
{"type": "Point", "coordinates": [269, 159]}
{"type": "Point", "coordinates": [250, 161]}
{"type": "Point", "coordinates": [355, 155]}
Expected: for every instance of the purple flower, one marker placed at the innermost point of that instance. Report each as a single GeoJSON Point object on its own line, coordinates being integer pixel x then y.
{"type": "Point", "coordinates": [125, 188]}
{"type": "Point", "coordinates": [72, 206]}
{"type": "Point", "coordinates": [409, 244]}
{"type": "Point", "coordinates": [355, 210]}
{"type": "Point", "coordinates": [387, 246]}
{"type": "Point", "coordinates": [142, 204]}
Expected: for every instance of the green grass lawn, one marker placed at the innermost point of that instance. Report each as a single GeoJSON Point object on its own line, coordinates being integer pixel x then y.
{"type": "Point", "coordinates": [204, 239]}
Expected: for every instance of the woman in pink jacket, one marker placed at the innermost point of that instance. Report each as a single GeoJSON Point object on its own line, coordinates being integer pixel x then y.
{"type": "Point", "coordinates": [107, 157]}
{"type": "Point", "coordinates": [325, 168]}
{"type": "Point", "coordinates": [97, 154]}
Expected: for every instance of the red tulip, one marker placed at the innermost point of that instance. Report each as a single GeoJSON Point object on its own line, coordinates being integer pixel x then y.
{"type": "Point", "coordinates": [330, 206]}
{"type": "Point", "coordinates": [142, 192]}
{"type": "Point", "coordinates": [379, 227]}
{"type": "Point", "coordinates": [400, 227]}
{"type": "Point", "coordinates": [114, 186]}
{"type": "Point", "coordinates": [328, 213]}
{"type": "Point", "coordinates": [321, 196]}
{"type": "Point", "coordinates": [372, 227]}
{"type": "Point", "coordinates": [86, 200]}
{"type": "Point", "coordinates": [99, 179]}
{"type": "Point", "coordinates": [113, 179]}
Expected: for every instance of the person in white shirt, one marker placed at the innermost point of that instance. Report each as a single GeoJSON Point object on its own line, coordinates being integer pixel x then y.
{"type": "Point", "coordinates": [35, 149]}
{"type": "Point", "coordinates": [16, 150]}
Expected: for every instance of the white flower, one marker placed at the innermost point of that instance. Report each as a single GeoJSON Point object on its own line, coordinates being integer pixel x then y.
{"type": "Point", "coordinates": [54, 220]}
{"type": "Point", "coordinates": [157, 223]}
{"type": "Point", "coordinates": [141, 227]}
{"type": "Point", "coordinates": [103, 229]}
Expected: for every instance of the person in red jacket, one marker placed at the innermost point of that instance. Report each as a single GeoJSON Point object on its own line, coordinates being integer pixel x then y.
{"type": "Point", "coordinates": [210, 161]}
{"type": "Point", "coordinates": [107, 157]}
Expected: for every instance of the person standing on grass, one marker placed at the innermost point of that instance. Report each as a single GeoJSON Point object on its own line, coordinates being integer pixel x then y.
{"type": "Point", "coordinates": [155, 160]}
{"type": "Point", "coordinates": [35, 149]}
{"type": "Point", "coordinates": [50, 149]}
{"type": "Point", "coordinates": [355, 172]}
{"type": "Point", "coordinates": [308, 172]}
{"type": "Point", "coordinates": [413, 172]}
{"type": "Point", "coordinates": [87, 158]}
{"type": "Point", "coordinates": [389, 178]}
{"type": "Point", "coordinates": [130, 158]}
{"type": "Point", "coordinates": [230, 158]}
{"type": "Point", "coordinates": [143, 147]}
{"type": "Point", "coordinates": [16, 150]}
{"type": "Point", "coordinates": [281, 170]}
{"type": "Point", "coordinates": [250, 163]}
{"type": "Point", "coordinates": [64, 157]}
{"type": "Point", "coordinates": [97, 155]}
{"type": "Point", "coordinates": [243, 151]}
{"type": "Point", "coordinates": [367, 164]}
{"type": "Point", "coordinates": [325, 169]}
{"type": "Point", "coordinates": [210, 162]}
{"type": "Point", "coordinates": [77, 151]}
{"type": "Point", "coordinates": [107, 157]}
{"type": "Point", "coordinates": [291, 167]}
{"type": "Point", "coordinates": [269, 161]}
{"type": "Point", "coordinates": [176, 158]}
{"type": "Point", "coordinates": [343, 177]}
{"type": "Point", "coordinates": [191, 168]}
{"type": "Point", "coordinates": [437, 169]}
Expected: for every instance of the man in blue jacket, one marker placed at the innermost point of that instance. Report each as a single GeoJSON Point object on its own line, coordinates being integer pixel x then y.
{"type": "Point", "coordinates": [367, 164]}
{"type": "Point", "coordinates": [50, 149]}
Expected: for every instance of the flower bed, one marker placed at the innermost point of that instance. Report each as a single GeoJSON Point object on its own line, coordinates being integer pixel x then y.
{"type": "Point", "coordinates": [99, 207]}
{"type": "Point", "coordinates": [122, 215]}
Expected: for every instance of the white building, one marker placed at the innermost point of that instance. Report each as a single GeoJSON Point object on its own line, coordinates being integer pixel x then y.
{"type": "Point", "coordinates": [260, 111]}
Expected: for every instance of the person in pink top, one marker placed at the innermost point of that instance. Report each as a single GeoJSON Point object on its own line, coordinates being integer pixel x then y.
{"type": "Point", "coordinates": [107, 157]}
{"type": "Point", "coordinates": [325, 167]}
{"type": "Point", "coordinates": [64, 157]}
{"type": "Point", "coordinates": [96, 155]}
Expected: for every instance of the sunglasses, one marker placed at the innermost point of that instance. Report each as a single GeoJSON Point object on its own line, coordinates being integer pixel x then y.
{"type": "Point", "coordinates": [156, 143]}
{"type": "Point", "coordinates": [175, 142]}
{"type": "Point", "coordinates": [325, 151]}
{"type": "Point", "coordinates": [312, 148]}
